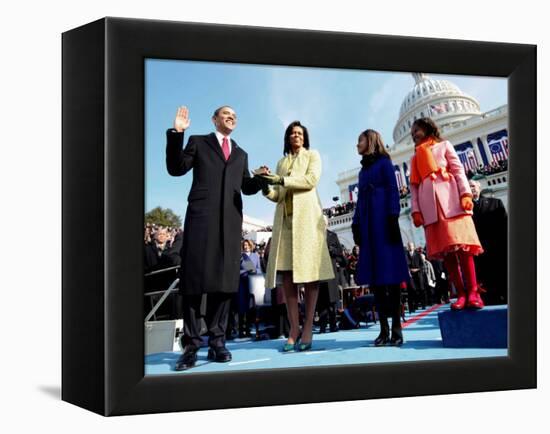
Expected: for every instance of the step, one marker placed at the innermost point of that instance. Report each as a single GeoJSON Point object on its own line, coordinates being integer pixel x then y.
{"type": "Point", "coordinates": [485, 328]}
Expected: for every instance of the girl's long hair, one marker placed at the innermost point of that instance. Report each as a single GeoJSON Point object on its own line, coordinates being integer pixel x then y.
{"type": "Point", "coordinates": [375, 144]}
{"type": "Point", "coordinates": [430, 128]}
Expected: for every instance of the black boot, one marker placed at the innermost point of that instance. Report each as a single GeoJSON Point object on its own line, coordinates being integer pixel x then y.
{"type": "Point", "coordinates": [384, 336]}
{"type": "Point", "coordinates": [395, 311]}
{"type": "Point", "coordinates": [380, 298]}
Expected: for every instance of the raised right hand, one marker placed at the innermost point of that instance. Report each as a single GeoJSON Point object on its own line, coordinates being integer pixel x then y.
{"type": "Point", "coordinates": [182, 121]}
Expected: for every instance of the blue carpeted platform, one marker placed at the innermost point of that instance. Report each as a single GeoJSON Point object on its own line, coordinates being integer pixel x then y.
{"type": "Point", "coordinates": [485, 328]}
{"type": "Point", "coordinates": [422, 342]}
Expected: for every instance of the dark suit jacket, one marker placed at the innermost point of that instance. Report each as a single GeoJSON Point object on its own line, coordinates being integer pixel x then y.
{"type": "Point", "coordinates": [211, 248]}
{"type": "Point", "coordinates": [336, 255]}
{"type": "Point", "coordinates": [491, 221]}
{"type": "Point", "coordinates": [413, 260]}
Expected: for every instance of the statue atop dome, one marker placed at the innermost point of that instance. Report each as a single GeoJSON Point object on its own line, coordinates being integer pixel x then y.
{"type": "Point", "coordinates": [419, 76]}
{"type": "Point", "coordinates": [433, 97]}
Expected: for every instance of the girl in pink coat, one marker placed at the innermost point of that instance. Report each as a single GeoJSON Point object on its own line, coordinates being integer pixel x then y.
{"type": "Point", "coordinates": [442, 203]}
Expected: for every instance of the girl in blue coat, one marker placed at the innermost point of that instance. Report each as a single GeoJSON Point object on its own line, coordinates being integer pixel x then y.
{"type": "Point", "coordinates": [382, 264]}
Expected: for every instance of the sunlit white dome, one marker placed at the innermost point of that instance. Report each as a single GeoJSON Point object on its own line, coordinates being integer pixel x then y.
{"type": "Point", "coordinates": [440, 100]}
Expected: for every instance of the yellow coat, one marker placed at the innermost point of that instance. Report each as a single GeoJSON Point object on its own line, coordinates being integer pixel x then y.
{"type": "Point", "coordinates": [310, 257]}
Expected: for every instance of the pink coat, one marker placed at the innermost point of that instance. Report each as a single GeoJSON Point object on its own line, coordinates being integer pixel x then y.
{"type": "Point", "coordinates": [448, 192]}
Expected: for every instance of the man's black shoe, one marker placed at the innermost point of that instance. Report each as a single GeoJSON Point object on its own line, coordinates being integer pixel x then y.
{"type": "Point", "coordinates": [187, 360]}
{"type": "Point", "coordinates": [219, 354]}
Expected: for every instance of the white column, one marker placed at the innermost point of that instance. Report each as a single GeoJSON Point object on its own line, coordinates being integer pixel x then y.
{"type": "Point", "coordinates": [476, 152]}
{"type": "Point", "coordinates": [486, 147]}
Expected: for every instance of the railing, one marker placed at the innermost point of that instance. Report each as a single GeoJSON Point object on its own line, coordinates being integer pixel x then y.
{"type": "Point", "coordinates": [341, 219]}
{"type": "Point", "coordinates": [476, 119]}
{"type": "Point", "coordinates": [347, 174]}
{"type": "Point", "coordinates": [495, 112]}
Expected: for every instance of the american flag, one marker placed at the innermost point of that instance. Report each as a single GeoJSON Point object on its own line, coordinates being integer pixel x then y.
{"type": "Point", "coordinates": [398, 177]}
{"type": "Point", "coordinates": [468, 159]}
{"type": "Point", "coordinates": [499, 148]}
{"type": "Point", "coordinates": [407, 173]}
{"type": "Point", "coordinates": [437, 108]}
{"type": "Point", "coordinates": [353, 190]}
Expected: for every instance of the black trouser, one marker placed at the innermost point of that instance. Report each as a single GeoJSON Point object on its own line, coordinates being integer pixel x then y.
{"type": "Point", "coordinates": [420, 290]}
{"type": "Point", "coordinates": [246, 320]}
{"type": "Point", "coordinates": [279, 316]}
{"type": "Point", "coordinates": [388, 305]}
{"type": "Point", "coordinates": [411, 296]}
{"type": "Point", "coordinates": [233, 318]}
{"type": "Point", "coordinates": [441, 291]}
{"type": "Point", "coordinates": [241, 322]}
{"type": "Point", "coordinates": [326, 309]}
{"type": "Point", "coordinates": [217, 313]}
{"type": "Point", "coordinates": [430, 295]}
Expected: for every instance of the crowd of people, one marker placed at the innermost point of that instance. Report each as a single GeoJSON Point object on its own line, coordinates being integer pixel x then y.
{"type": "Point", "coordinates": [339, 209]}
{"type": "Point", "coordinates": [488, 169]}
{"type": "Point", "coordinates": [162, 246]}
{"type": "Point", "coordinates": [404, 192]}
{"type": "Point", "coordinates": [428, 285]}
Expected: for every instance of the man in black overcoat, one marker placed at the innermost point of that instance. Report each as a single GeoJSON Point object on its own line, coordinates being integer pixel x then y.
{"type": "Point", "coordinates": [491, 222]}
{"type": "Point", "coordinates": [415, 285]}
{"type": "Point", "coordinates": [329, 293]}
{"type": "Point", "coordinates": [210, 252]}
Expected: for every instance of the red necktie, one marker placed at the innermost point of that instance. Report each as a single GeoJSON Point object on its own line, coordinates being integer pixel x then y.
{"type": "Point", "coordinates": [225, 148]}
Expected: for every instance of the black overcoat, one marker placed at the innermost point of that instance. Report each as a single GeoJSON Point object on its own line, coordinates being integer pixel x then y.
{"type": "Point", "coordinates": [491, 221]}
{"type": "Point", "coordinates": [211, 248]}
{"type": "Point", "coordinates": [336, 255]}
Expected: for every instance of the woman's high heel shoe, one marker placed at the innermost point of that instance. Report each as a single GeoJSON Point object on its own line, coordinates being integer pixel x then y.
{"type": "Point", "coordinates": [304, 346]}
{"type": "Point", "coordinates": [287, 347]}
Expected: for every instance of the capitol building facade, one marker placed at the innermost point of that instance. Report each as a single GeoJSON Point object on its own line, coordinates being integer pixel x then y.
{"type": "Point", "coordinates": [480, 139]}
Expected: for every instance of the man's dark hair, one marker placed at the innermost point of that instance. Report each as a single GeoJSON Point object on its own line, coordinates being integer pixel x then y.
{"type": "Point", "coordinates": [217, 111]}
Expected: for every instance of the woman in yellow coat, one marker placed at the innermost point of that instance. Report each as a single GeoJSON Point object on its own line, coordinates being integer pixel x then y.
{"type": "Point", "coordinates": [299, 252]}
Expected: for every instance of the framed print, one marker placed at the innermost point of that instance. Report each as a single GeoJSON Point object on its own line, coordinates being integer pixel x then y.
{"type": "Point", "coordinates": [257, 216]}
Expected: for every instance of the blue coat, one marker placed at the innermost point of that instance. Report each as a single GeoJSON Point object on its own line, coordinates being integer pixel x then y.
{"type": "Point", "coordinates": [381, 262]}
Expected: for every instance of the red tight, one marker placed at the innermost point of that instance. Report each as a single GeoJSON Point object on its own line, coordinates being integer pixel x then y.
{"type": "Point", "coordinates": [466, 261]}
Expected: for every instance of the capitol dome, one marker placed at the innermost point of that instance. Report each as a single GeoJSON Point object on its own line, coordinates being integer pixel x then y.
{"type": "Point", "coordinates": [440, 100]}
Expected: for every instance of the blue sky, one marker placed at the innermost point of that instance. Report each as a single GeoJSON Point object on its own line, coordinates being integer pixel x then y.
{"type": "Point", "coordinates": [335, 106]}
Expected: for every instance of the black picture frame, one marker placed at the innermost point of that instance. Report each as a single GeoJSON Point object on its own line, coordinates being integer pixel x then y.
{"type": "Point", "coordinates": [103, 205]}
